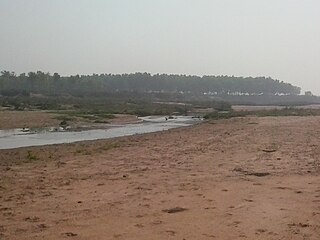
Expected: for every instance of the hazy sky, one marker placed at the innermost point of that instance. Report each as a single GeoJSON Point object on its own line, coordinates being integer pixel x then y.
{"type": "Point", "coordinates": [276, 38]}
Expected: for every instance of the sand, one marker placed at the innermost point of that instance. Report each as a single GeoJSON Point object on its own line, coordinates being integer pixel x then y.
{"type": "Point", "coordinates": [29, 119]}
{"type": "Point", "coordinates": [41, 119]}
{"type": "Point", "coordinates": [245, 178]}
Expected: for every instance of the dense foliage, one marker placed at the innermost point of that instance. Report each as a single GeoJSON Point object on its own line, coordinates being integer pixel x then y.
{"type": "Point", "coordinates": [44, 83]}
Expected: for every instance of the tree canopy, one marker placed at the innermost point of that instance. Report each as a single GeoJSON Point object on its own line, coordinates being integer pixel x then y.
{"type": "Point", "coordinates": [45, 83]}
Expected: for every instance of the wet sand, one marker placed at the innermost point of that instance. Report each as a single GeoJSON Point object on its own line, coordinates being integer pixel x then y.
{"type": "Point", "coordinates": [245, 178]}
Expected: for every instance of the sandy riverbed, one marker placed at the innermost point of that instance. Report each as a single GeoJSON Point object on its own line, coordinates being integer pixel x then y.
{"type": "Point", "coordinates": [247, 178]}
{"type": "Point", "coordinates": [41, 119]}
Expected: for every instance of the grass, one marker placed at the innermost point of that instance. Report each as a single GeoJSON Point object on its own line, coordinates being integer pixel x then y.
{"type": "Point", "coordinates": [31, 157]}
{"type": "Point", "coordinates": [106, 147]}
{"type": "Point", "coordinates": [95, 116]}
{"type": "Point", "coordinates": [102, 108]}
{"type": "Point", "coordinates": [264, 113]}
{"type": "Point", "coordinates": [109, 146]}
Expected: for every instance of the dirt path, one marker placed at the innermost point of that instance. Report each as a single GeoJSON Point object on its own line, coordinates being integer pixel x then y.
{"type": "Point", "coordinates": [252, 178]}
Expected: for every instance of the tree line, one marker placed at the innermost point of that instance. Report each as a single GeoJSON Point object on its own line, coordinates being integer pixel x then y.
{"type": "Point", "coordinates": [53, 84]}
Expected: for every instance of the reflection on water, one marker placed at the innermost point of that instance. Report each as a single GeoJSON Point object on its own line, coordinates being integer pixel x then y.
{"type": "Point", "coordinates": [24, 138]}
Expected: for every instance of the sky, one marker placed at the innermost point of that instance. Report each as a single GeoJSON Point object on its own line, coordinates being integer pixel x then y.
{"type": "Point", "coordinates": [272, 38]}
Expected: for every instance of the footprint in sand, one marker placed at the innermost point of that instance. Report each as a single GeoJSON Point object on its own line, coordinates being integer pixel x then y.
{"type": "Point", "coordinates": [32, 219]}
{"type": "Point", "coordinates": [70, 234]}
{"type": "Point", "coordinates": [174, 210]}
{"type": "Point", "coordinates": [156, 222]}
{"type": "Point", "coordinates": [117, 236]}
{"type": "Point", "coordinates": [210, 208]}
{"type": "Point", "coordinates": [260, 231]}
{"type": "Point", "coordinates": [139, 225]}
{"type": "Point", "coordinates": [42, 226]}
{"type": "Point", "coordinates": [171, 233]}
{"type": "Point", "coordinates": [209, 235]}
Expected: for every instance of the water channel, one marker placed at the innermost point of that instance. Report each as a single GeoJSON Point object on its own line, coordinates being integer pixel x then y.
{"type": "Point", "coordinates": [16, 138]}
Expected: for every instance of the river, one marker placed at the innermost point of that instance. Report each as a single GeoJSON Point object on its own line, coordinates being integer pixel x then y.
{"type": "Point", "coordinates": [16, 138]}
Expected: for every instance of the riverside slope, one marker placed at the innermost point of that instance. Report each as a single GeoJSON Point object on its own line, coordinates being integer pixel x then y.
{"type": "Point", "coordinates": [244, 178]}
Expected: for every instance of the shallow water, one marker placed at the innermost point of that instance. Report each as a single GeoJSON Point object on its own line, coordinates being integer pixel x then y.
{"type": "Point", "coordinates": [16, 138]}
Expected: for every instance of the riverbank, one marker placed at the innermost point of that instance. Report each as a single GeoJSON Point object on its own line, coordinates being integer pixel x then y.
{"type": "Point", "coordinates": [242, 178]}
{"type": "Point", "coordinates": [18, 138]}
{"type": "Point", "coordinates": [43, 119]}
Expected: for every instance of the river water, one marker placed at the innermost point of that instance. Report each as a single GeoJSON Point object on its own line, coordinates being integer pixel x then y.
{"type": "Point", "coordinates": [16, 138]}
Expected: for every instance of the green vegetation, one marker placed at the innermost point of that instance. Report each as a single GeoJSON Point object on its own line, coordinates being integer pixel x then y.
{"type": "Point", "coordinates": [104, 108]}
{"type": "Point", "coordinates": [263, 113]}
{"type": "Point", "coordinates": [109, 146]}
{"type": "Point", "coordinates": [98, 85]}
{"type": "Point", "coordinates": [31, 156]}
{"type": "Point", "coordinates": [96, 116]}
{"type": "Point", "coordinates": [141, 93]}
